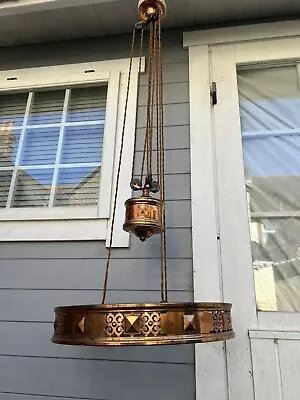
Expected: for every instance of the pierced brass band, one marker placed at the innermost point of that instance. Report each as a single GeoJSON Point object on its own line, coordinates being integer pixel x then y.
{"type": "Point", "coordinates": [142, 324]}
{"type": "Point", "coordinates": [147, 8]}
{"type": "Point", "coordinates": [143, 216]}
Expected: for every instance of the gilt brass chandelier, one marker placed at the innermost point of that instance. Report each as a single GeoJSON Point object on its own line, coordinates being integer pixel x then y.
{"type": "Point", "coordinates": [144, 323]}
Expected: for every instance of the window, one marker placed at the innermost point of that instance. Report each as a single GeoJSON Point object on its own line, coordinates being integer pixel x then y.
{"type": "Point", "coordinates": [59, 140]}
{"type": "Point", "coordinates": [249, 154]}
{"type": "Point", "coordinates": [270, 121]}
{"type": "Point", "coordinates": [51, 147]}
{"type": "Point", "coordinates": [225, 185]}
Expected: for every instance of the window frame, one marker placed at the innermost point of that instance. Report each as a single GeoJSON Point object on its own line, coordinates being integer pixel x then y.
{"type": "Point", "coordinates": [91, 222]}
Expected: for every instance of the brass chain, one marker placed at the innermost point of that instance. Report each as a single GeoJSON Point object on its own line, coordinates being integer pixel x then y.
{"type": "Point", "coordinates": [118, 173]}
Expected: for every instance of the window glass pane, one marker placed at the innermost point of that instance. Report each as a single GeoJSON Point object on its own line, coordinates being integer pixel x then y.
{"type": "Point", "coordinates": [269, 98]}
{"type": "Point", "coordinates": [40, 146]}
{"type": "Point", "coordinates": [276, 262]}
{"type": "Point", "coordinates": [87, 104]}
{"type": "Point", "coordinates": [5, 179]}
{"type": "Point", "coordinates": [36, 146]}
{"type": "Point", "coordinates": [33, 188]}
{"type": "Point", "coordinates": [82, 144]}
{"type": "Point", "coordinates": [9, 141]}
{"type": "Point", "coordinates": [12, 108]}
{"type": "Point", "coordinates": [270, 120]}
{"type": "Point", "coordinates": [47, 107]}
{"type": "Point", "coordinates": [77, 187]}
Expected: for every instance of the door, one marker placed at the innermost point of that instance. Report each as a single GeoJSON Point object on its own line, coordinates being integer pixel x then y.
{"type": "Point", "coordinates": [253, 159]}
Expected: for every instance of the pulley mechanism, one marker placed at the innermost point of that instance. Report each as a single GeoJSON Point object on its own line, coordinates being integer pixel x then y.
{"type": "Point", "coordinates": [149, 9]}
{"type": "Point", "coordinates": [144, 214]}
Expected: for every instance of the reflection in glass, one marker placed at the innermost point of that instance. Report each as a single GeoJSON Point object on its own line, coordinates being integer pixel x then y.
{"type": "Point", "coordinates": [77, 187]}
{"type": "Point", "coordinates": [87, 104]}
{"type": "Point", "coordinates": [82, 144]}
{"type": "Point", "coordinates": [51, 144]}
{"type": "Point", "coordinates": [270, 120]}
{"type": "Point", "coordinates": [33, 188]}
{"type": "Point", "coordinates": [40, 146]}
{"type": "Point", "coordinates": [9, 141]}
{"type": "Point", "coordinates": [12, 108]}
{"type": "Point", "coordinates": [5, 179]}
{"type": "Point", "coordinates": [47, 107]}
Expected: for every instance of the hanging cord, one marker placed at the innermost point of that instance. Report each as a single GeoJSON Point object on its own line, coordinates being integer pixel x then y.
{"type": "Point", "coordinates": [146, 153]}
{"type": "Point", "coordinates": [118, 173]}
{"type": "Point", "coordinates": [159, 156]}
{"type": "Point", "coordinates": [153, 86]}
{"type": "Point", "coordinates": [162, 171]}
{"type": "Point", "coordinates": [137, 103]}
{"type": "Point", "coordinates": [157, 111]}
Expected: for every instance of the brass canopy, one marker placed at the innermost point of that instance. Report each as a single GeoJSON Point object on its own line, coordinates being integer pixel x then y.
{"type": "Point", "coordinates": [142, 324]}
{"type": "Point", "coordinates": [143, 216]}
{"type": "Point", "coordinates": [147, 8]}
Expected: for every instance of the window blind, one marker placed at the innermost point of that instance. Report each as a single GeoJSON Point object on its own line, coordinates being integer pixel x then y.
{"type": "Point", "coordinates": [51, 146]}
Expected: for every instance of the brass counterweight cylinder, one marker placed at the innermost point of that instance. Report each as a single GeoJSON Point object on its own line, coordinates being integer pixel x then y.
{"type": "Point", "coordinates": [143, 216]}
{"type": "Point", "coordinates": [147, 8]}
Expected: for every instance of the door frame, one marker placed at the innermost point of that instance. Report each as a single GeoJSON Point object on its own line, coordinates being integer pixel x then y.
{"type": "Point", "coordinates": [219, 205]}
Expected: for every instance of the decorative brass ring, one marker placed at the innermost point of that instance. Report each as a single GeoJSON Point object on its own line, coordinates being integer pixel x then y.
{"type": "Point", "coordinates": [142, 324]}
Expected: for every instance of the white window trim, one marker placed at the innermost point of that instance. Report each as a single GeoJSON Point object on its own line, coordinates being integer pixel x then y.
{"type": "Point", "coordinates": [214, 278]}
{"type": "Point", "coordinates": [244, 33]}
{"type": "Point", "coordinates": [81, 223]}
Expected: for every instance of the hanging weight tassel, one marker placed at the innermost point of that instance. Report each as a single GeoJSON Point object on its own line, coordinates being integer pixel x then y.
{"type": "Point", "coordinates": [143, 216]}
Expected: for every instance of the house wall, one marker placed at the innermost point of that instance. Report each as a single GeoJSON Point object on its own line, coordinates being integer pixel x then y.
{"type": "Point", "coordinates": [36, 277]}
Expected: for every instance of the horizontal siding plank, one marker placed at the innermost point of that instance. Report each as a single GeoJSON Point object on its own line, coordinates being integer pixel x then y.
{"type": "Point", "coordinates": [179, 245]}
{"type": "Point", "coordinates": [23, 396]}
{"type": "Point", "coordinates": [178, 186]}
{"type": "Point", "coordinates": [173, 93]}
{"type": "Point", "coordinates": [110, 380]}
{"type": "Point", "coordinates": [176, 137]}
{"type": "Point", "coordinates": [38, 305]}
{"type": "Point", "coordinates": [91, 49]}
{"type": "Point", "coordinates": [33, 340]}
{"type": "Point", "coordinates": [174, 114]}
{"type": "Point", "coordinates": [178, 214]}
{"type": "Point", "coordinates": [172, 73]}
{"type": "Point", "coordinates": [176, 161]}
{"type": "Point", "coordinates": [88, 274]}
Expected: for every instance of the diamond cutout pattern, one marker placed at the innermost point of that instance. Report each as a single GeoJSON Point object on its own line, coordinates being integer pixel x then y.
{"type": "Point", "coordinates": [143, 212]}
{"type": "Point", "coordinates": [132, 324]}
{"type": "Point", "coordinates": [81, 324]}
{"type": "Point", "coordinates": [189, 323]}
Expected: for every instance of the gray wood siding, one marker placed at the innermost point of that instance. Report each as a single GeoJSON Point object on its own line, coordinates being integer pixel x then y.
{"type": "Point", "coordinates": [36, 277]}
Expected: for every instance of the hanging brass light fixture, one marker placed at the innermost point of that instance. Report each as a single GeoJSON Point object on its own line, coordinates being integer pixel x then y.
{"type": "Point", "coordinates": [150, 323]}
